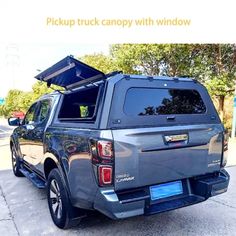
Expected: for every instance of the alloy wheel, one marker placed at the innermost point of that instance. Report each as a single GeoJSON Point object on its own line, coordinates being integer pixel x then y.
{"type": "Point", "coordinates": [14, 166]}
{"type": "Point", "coordinates": [55, 199]}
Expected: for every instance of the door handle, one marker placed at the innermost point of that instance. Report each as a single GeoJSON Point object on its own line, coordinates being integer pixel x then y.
{"type": "Point", "coordinates": [170, 118]}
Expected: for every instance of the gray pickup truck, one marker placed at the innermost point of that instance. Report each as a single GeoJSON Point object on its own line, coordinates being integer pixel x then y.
{"type": "Point", "coordinates": [124, 145]}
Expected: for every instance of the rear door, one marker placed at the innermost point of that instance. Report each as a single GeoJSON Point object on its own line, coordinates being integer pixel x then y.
{"type": "Point", "coordinates": [166, 131]}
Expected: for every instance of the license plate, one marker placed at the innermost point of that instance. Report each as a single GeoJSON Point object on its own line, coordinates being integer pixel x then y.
{"type": "Point", "coordinates": [166, 190]}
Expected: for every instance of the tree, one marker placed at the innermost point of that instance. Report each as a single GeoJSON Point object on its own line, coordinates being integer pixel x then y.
{"type": "Point", "coordinates": [40, 88]}
{"type": "Point", "coordinates": [159, 59]}
{"type": "Point", "coordinates": [13, 101]}
{"type": "Point", "coordinates": [222, 76]}
{"type": "Point", "coordinates": [18, 100]}
{"type": "Point", "coordinates": [212, 64]}
{"type": "Point", "coordinates": [100, 62]}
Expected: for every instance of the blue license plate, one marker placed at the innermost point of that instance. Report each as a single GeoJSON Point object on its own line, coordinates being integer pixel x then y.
{"type": "Point", "coordinates": [166, 190]}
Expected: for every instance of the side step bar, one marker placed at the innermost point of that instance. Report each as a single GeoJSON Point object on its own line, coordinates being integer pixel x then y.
{"type": "Point", "coordinates": [39, 183]}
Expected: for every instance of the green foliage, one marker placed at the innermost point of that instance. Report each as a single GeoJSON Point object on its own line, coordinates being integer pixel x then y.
{"type": "Point", "coordinates": [84, 111]}
{"type": "Point", "coordinates": [160, 59]}
{"type": "Point", "coordinates": [222, 69]}
{"type": "Point", "coordinates": [17, 100]}
{"type": "Point", "coordinates": [40, 88]}
{"type": "Point", "coordinates": [13, 102]}
{"type": "Point", "coordinates": [127, 57]}
{"type": "Point", "coordinates": [221, 85]}
{"type": "Point", "coordinates": [201, 61]}
{"type": "Point", "coordinates": [100, 62]}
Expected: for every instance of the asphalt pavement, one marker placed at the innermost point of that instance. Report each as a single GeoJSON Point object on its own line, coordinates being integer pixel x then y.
{"type": "Point", "coordinates": [24, 211]}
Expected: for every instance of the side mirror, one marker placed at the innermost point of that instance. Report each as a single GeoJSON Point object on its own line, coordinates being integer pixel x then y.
{"type": "Point", "coordinates": [12, 121]}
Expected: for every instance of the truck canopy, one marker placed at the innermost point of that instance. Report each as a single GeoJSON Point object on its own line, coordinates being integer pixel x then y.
{"type": "Point", "coordinates": [163, 130]}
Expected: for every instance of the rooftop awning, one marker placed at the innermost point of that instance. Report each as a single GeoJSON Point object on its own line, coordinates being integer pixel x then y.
{"type": "Point", "coordinates": [70, 73]}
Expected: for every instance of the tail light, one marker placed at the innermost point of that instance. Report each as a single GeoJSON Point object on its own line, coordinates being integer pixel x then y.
{"type": "Point", "coordinates": [105, 175]}
{"type": "Point", "coordinates": [105, 149]}
{"type": "Point", "coordinates": [102, 159]}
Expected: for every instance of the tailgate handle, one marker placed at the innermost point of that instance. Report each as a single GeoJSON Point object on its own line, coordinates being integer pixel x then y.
{"type": "Point", "coordinates": [176, 138]}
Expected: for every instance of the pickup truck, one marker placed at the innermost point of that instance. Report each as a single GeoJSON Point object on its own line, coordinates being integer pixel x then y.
{"type": "Point", "coordinates": [124, 145]}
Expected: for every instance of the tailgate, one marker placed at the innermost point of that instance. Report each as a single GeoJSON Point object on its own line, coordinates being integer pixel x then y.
{"type": "Point", "coordinates": [147, 156]}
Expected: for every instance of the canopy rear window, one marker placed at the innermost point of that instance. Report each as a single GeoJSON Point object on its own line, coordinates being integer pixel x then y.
{"type": "Point", "coordinates": [144, 102]}
{"type": "Point", "coordinates": [160, 101]}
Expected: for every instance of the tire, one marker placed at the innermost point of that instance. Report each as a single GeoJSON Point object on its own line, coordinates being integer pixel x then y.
{"type": "Point", "coordinates": [15, 162]}
{"type": "Point", "coordinates": [61, 210]}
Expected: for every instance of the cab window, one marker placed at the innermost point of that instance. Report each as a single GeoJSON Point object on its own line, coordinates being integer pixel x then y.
{"type": "Point", "coordinates": [44, 110]}
{"type": "Point", "coordinates": [31, 115]}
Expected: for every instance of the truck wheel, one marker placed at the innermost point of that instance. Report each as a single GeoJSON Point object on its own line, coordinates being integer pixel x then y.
{"type": "Point", "coordinates": [15, 162]}
{"type": "Point", "coordinates": [59, 204]}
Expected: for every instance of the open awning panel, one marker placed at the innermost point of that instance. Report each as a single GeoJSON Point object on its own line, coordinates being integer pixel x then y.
{"type": "Point", "coordinates": [70, 73]}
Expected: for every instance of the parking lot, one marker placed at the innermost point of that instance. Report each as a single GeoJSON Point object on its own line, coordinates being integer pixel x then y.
{"type": "Point", "coordinates": [24, 211]}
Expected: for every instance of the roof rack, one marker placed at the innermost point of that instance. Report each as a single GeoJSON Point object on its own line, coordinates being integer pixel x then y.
{"type": "Point", "coordinates": [114, 73]}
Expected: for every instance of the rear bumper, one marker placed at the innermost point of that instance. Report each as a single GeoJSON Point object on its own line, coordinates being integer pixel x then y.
{"type": "Point", "coordinates": [211, 186]}
{"type": "Point", "coordinates": [138, 202]}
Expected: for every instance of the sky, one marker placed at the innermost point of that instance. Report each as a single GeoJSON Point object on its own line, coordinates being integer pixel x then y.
{"type": "Point", "coordinates": [20, 62]}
